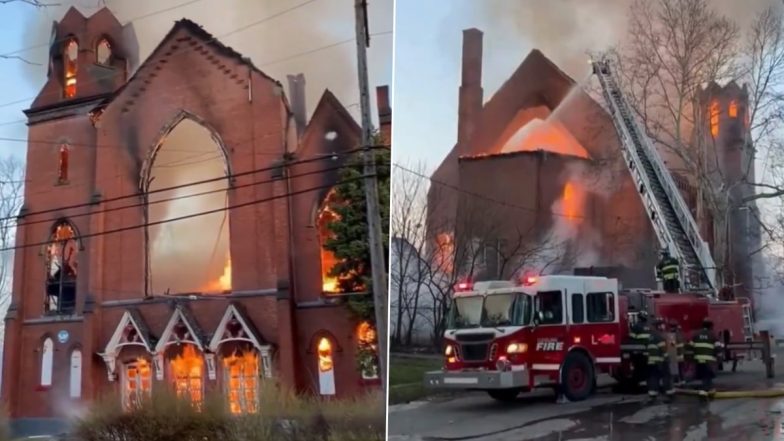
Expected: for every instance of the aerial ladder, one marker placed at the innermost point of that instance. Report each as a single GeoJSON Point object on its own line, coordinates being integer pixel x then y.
{"type": "Point", "coordinates": [672, 221]}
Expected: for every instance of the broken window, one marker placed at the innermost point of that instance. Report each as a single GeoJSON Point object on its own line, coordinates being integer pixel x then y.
{"type": "Point", "coordinates": [103, 52]}
{"type": "Point", "coordinates": [330, 284]}
{"type": "Point", "coordinates": [240, 380]}
{"type": "Point", "coordinates": [367, 352]}
{"type": "Point", "coordinates": [714, 118]}
{"type": "Point", "coordinates": [70, 65]}
{"type": "Point", "coordinates": [188, 372]}
{"type": "Point", "coordinates": [61, 270]}
{"type": "Point", "coordinates": [733, 109]}
{"type": "Point", "coordinates": [62, 165]}
{"type": "Point", "coordinates": [136, 382]}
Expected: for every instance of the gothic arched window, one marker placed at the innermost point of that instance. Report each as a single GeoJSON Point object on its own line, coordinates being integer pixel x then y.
{"type": "Point", "coordinates": [62, 164]}
{"type": "Point", "coordinates": [330, 283]}
{"type": "Point", "coordinates": [70, 66]}
{"type": "Point", "coordinates": [103, 52]}
{"type": "Point", "coordinates": [61, 269]}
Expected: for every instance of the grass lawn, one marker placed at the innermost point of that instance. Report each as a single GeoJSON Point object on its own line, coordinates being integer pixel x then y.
{"type": "Point", "coordinates": [406, 375]}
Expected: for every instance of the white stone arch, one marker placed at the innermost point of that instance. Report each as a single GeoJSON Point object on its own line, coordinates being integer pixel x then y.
{"type": "Point", "coordinates": [47, 361]}
{"type": "Point", "coordinates": [247, 333]}
{"type": "Point", "coordinates": [169, 337]}
{"type": "Point", "coordinates": [122, 338]}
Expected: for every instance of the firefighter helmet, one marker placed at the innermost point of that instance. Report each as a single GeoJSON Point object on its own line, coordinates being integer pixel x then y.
{"type": "Point", "coordinates": [642, 316]}
{"type": "Point", "coordinates": [707, 323]}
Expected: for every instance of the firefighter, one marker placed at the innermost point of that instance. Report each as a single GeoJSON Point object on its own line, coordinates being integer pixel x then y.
{"type": "Point", "coordinates": [659, 378]}
{"type": "Point", "coordinates": [676, 351]}
{"type": "Point", "coordinates": [705, 348]}
{"type": "Point", "coordinates": [668, 271]}
{"type": "Point", "coordinates": [640, 331]}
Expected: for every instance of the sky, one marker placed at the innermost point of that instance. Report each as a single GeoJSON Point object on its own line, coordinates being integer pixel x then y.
{"type": "Point", "coordinates": [308, 40]}
{"type": "Point", "coordinates": [428, 49]}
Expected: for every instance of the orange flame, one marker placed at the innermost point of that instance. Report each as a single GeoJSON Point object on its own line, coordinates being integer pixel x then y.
{"type": "Point", "coordinates": [224, 281]}
{"type": "Point", "coordinates": [548, 135]}
{"type": "Point", "coordinates": [573, 201]}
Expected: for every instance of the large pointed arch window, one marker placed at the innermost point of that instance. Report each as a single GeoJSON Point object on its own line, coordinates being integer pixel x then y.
{"type": "Point", "coordinates": [62, 164]}
{"type": "Point", "coordinates": [70, 66]}
{"type": "Point", "coordinates": [326, 215]}
{"type": "Point", "coordinates": [61, 270]}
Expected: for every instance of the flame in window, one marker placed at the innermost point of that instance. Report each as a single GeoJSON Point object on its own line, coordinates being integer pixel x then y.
{"type": "Point", "coordinates": [70, 66]}
{"type": "Point", "coordinates": [445, 249]}
{"type": "Point", "coordinates": [733, 109]}
{"type": "Point", "coordinates": [366, 334]}
{"type": "Point", "coordinates": [330, 284]}
{"type": "Point", "coordinates": [714, 118]}
{"type": "Point", "coordinates": [325, 355]}
{"type": "Point", "coordinates": [573, 201]}
{"type": "Point", "coordinates": [138, 382]}
{"type": "Point", "coordinates": [241, 376]}
{"type": "Point", "coordinates": [188, 371]}
{"type": "Point", "coordinates": [62, 167]}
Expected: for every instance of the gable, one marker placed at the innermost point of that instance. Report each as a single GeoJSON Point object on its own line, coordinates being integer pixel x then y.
{"type": "Point", "coordinates": [330, 115]}
{"type": "Point", "coordinates": [181, 328]}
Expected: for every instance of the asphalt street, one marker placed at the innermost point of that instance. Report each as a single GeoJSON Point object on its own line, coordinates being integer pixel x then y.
{"type": "Point", "coordinates": [605, 417]}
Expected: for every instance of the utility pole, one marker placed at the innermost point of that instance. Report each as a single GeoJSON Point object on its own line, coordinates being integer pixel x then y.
{"type": "Point", "coordinates": [377, 258]}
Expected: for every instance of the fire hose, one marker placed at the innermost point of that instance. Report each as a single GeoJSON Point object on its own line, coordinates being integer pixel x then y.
{"type": "Point", "coordinates": [767, 393]}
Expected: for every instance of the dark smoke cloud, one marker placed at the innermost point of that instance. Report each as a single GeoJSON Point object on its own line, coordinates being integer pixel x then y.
{"type": "Point", "coordinates": [565, 29]}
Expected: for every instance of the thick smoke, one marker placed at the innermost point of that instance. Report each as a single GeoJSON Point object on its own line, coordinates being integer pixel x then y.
{"type": "Point", "coordinates": [564, 30]}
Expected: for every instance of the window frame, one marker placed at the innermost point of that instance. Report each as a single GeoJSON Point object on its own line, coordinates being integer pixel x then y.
{"type": "Point", "coordinates": [573, 316]}
{"type": "Point", "coordinates": [560, 300]}
{"type": "Point", "coordinates": [243, 388]}
{"type": "Point", "coordinates": [108, 61]}
{"type": "Point", "coordinates": [609, 304]}
{"type": "Point", "coordinates": [75, 374]}
{"type": "Point", "coordinates": [47, 362]}
{"type": "Point", "coordinates": [140, 393]}
{"type": "Point", "coordinates": [69, 77]}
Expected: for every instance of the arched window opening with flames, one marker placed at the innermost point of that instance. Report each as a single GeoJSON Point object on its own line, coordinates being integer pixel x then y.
{"type": "Point", "coordinates": [241, 380]}
{"type": "Point", "coordinates": [70, 66]}
{"type": "Point", "coordinates": [367, 350]}
{"type": "Point", "coordinates": [136, 382]}
{"type": "Point", "coordinates": [187, 370]}
{"type": "Point", "coordinates": [326, 367]}
{"type": "Point", "coordinates": [326, 216]}
{"type": "Point", "coordinates": [733, 109]}
{"type": "Point", "coordinates": [715, 113]}
{"type": "Point", "coordinates": [61, 270]}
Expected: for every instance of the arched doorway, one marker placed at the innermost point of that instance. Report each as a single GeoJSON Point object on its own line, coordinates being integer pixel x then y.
{"type": "Point", "coordinates": [190, 255]}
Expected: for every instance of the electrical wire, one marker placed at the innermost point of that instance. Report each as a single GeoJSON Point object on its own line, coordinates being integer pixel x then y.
{"type": "Point", "coordinates": [190, 184]}
{"type": "Point", "coordinates": [181, 197]}
{"type": "Point", "coordinates": [182, 87]}
{"type": "Point", "coordinates": [186, 50]}
{"type": "Point", "coordinates": [194, 215]}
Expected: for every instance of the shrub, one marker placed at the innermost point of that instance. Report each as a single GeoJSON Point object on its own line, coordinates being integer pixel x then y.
{"type": "Point", "coordinates": [282, 416]}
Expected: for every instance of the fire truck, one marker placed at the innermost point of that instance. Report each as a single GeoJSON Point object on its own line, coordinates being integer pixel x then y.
{"type": "Point", "coordinates": [564, 330]}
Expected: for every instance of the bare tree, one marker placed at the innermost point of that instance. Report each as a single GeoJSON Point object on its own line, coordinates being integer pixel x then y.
{"type": "Point", "coordinates": [676, 49]}
{"type": "Point", "coordinates": [408, 274]}
{"type": "Point", "coordinates": [11, 187]}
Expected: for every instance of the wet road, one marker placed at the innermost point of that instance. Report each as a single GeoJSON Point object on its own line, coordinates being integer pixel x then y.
{"type": "Point", "coordinates": [604, 418]}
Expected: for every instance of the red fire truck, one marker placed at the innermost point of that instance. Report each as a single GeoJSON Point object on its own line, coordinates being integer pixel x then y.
{"type": "Point", "coordinates": [561, 331]}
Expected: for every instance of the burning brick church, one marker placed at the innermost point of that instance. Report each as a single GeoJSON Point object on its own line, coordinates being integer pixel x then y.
{"type": "Point", "coordinates": [86, 318]}
{"type": "Point", "coordinates": [537, 179]}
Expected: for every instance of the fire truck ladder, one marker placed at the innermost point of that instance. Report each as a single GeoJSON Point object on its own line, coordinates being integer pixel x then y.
{"type": "Point", "coordinates": [672, 221]}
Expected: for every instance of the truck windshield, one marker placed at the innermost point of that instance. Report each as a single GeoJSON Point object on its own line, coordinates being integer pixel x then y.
{"type": "Point", "coordinates": [494, 310]}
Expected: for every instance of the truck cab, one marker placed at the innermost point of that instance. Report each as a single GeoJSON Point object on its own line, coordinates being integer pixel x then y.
{"type": "Point", "coordinates": [548, 331]}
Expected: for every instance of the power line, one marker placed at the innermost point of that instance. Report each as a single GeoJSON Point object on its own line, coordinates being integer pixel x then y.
{"type": "Point", "coordinates": [277, 61]}
{"type": "Point", "coordinates": [181, 197]}
{"type": "Point", "coordinates": [36, 46]}
{"type": "Point", "coordinates": [189, 49]}
{"type": "Point", "coordinates": [190, 184]}
{"type": "Point", "coordinates": [480, 196]}
{"type": "Point", "coordinates": [190, 216]}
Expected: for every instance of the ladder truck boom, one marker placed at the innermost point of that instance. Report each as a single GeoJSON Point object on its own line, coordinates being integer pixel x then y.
{"type": "Point", "coordinates": [672, 221]}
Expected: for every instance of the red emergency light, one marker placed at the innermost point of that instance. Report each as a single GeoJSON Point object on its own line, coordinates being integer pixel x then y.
{"type": "Point", "coordinates": [530, 280]}
{"type": "Point", "coordinates": [464, 286]}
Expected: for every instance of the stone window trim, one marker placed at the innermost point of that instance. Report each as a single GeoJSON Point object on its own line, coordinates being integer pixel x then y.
{"type": "Point", "coordinates": [119, 340]}
{"type": "Point", "coordinates": [316, 338]}
{"type": "Point", "coordinates": [45, 252]}
{"type": "Point", "coordinates": [247, 334]}
{"type": "Point", "coordinates": [46, 362]}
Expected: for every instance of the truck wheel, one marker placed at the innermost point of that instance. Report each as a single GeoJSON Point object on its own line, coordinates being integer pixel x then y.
{"type": "Point", "coordinates": [577, 377]}
{"type": "Point", "coordinates": [504, 395]}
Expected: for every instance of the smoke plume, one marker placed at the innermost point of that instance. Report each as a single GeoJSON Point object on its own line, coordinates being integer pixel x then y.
{"type": "Point", "coordinates": [566, 29]}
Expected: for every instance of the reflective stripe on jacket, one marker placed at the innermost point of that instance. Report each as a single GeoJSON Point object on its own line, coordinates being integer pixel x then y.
{"type": "Point", "coordinates": [668, 269]}
{"type": "Point", "coordinates": [705, 348]}
{"type": "Point", "coordinates": [656, 348]}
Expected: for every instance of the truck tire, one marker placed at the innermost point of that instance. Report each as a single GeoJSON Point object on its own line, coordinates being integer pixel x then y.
{"type": "Point", "coordinates": [505, 395]}
{"type": "Point", "coordinates": [577, 377]}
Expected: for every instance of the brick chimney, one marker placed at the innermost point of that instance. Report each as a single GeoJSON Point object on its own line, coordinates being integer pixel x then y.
{"type": "Point", "coordinates": [384, 113]}
{"type": "Point", "coordinates": [471, 93]}
{"type": "Point", "coordinates": [297, 97]}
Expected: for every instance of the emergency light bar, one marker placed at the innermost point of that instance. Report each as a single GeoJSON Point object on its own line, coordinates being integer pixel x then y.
{"type": "Point", "coordinates": [464, 286]}
{"type": "Point", "coordinates": [530, 280]}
